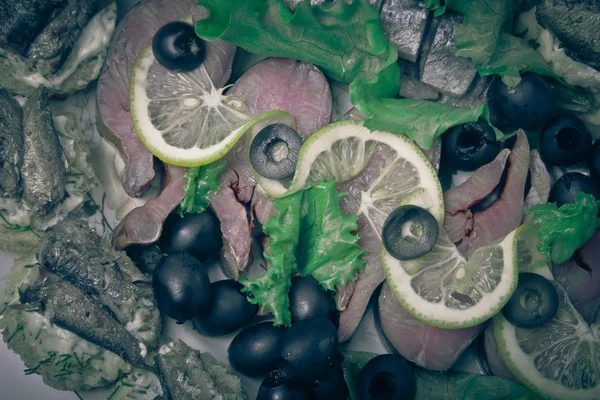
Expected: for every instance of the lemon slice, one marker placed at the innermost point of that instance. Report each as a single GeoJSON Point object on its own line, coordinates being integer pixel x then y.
{"type": "Point", "coordinates": [558, 360]}
{"type": "Point", "coordinates": [341, 151]}
{"type": "Point", "coordinates": [181, 117]}
{"type": "Point", "coordinates": [445, 290]}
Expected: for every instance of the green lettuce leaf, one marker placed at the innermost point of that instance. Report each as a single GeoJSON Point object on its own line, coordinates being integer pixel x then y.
{"type": "Point", "coordinates": [563, 230]}
{"type": "Point", "coordinates": [328, 249]}
{"type": "Point", "coordinates": [270, 290]}
{"type": "Point", "coordinates": [344, 40]}
{"type": "Point", "coordinates": [201, 182]}
{"type": "Point", "coordinates": [421, 120]}
{"type": "Point", "coordinates": [437, 386]}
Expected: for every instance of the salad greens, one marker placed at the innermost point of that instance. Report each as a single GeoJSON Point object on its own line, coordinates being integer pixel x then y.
{"type": "Point", "coordinates": [563, 230]}
{"type": "Point", "coordinates": [270, 290]}
{"type": "Point", "coordinates": [484, 38]}
{"type": "Point", "coordinates": [201, 182]}
{"type": "Point", "coordinates": [328, 249]}
{"type": "Point", "coordinates": [344, 40]}
{"type": "Point", "coordinates": [437, 385]}
{"type": "Point", "coordinates": [310, 235]}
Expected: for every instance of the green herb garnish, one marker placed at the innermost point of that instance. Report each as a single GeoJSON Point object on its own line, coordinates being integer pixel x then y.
{"type": "Point", "coordinates": [201, 182]}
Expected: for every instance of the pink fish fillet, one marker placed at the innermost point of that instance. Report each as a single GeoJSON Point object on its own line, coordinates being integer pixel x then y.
{"type": "Point", "coordinates": [430, 347]}
{"type": "Point", "coordinates": [471, 228]}
{"type": "Point", "coordinates": [132, 34]}
{"type": "Point", "coordinates": [297, 87]}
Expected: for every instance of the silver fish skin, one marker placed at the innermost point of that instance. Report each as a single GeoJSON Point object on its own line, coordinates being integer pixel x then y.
{"type": "Point", "coordinates": [44, 172]}
{"type": "Point", "coordinates": [403, 24]}
{"type": "Point", "coordinates": [11, 145]}
{"type": "Point", "coordinates": [70, 308]}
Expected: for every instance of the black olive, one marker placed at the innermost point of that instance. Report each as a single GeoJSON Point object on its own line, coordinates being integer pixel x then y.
{"type": "Point", "coordinates": [387, 377]}
{"type": "Point", "coordinates": [469, 146]}
{"type": "Point", "coordinates": [595, 161]}
{"type": "Point", "coordinates": [410, 232]}
{"type": "Point", "coordinates": [308, 348]}
{"type": "Point", "coordinates": [565, 189]}
{"type": "Point", "coordinates": [177, 48]}
{"type": "Point", "coordinates": [534, 302]}
{"type": "Point", "coordinates": [274, 151]}
{"type": "Point", "coordinates": [229, 310]}
{"type": "Point", "coordinates": [333, 386]}
{"type": "Point", "coordinates": [254, 350]}
{"type": "Point", "coordinates": [565, 140]}
{"type": "Point", "coordinates": [197, 234]}
{"type": "Point", "coordinates": [181, 286]}
{"type": "Point", "coordinates": [273, 389]}
{"type": "Point", "coordinates": [528, 105]}
{"type": "Point", "coordinates": [309, 300]}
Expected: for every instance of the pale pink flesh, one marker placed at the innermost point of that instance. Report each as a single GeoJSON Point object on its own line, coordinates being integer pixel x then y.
{"type": "Point", "coordinates": [143, 225]}
{"type": "Point", "coordinates": [505, 215]}
{"type": "Point", "coordinates": [132, 34]}
{"type": "Point", "coordinates": [272, 84]}
{"type": "Point", "coordinates": [493, 358]}
{"type": "Point", "coordinates": [433, 348]}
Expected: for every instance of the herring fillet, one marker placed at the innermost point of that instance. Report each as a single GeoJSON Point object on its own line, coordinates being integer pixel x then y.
{"type": "Point", "coordinates": [132, 34]}
{"type": "Point", "coordinates": [43, 174]}
{"type": "Point", "coordinates": [296, 87]}
{"type": "Point", "coordinates": [433, 348]}
{"type": "Point", "coordinates": [11, 145]}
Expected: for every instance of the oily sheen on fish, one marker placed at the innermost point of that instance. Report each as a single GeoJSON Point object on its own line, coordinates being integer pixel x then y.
{"type": "Point", "coordinates": [11, 145]}
{"type": "Point", "coordinates": [132, 34]}
{"type": "Point", "coordinates": [297, 87]}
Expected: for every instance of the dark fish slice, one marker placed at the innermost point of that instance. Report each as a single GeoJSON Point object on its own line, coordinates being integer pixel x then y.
{"type": "Point", "coordinates": [54, 43]}
{"type": "Point", "coordinates": [69, 308]}
{"type": "Point", "coordinates": [411, 86]}
{"type": "Point", "coordinates": [43, 174]}
{"type": "Point", "coordinates": [575, 24]}
{"type": "Point", "coordinates": [11, 145]}
{"type": "Point", "coordinates": [403, 25]}
{"type": "Point", "coordinates": [185, 373]}
{"type": "Point", "coordinates": [476, 95]}
{"type": "Point", "coordinates": [21, 21]}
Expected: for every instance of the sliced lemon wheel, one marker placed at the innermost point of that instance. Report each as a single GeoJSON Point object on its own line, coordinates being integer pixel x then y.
{"type": "Point", "coordinates": [180, 116]}
{"type": "Point", "coordinates": [445, 290]}
{"type": "Point", "coordinates": [558, 360]}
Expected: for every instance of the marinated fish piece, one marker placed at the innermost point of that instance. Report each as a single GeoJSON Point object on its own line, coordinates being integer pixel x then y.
{"type": "Point", "coordinates": [134, 32]}
{"type": "Point", "coordinates": [54, 43]}
{"type": "Point", "coordinates": [43, 174]}
{"type": "Point", "coordinates": [440, 68]}
{"type": "Point", "coordinates": [541, 182]}
{"type": "Point", "coordinates": [430, 347]}
{"type": "Point", "coordinates": [273, 84]}
{"type": "Point", "coordinates": [575, 24]}
{"type": "Point", "coordinates": [410, 85]}
{"type": "Point", "coordinates": [474, 97]}
{"type": "Point", "coordinates": [143, 224]}
{"type": "Point", "coordinates": [11, 145]}
{"type": "Point", "coordinates": [69, 308]}
{"type": "Point", "coordinates": [186, 373]}
{"type": "Point", "coordinates": [489, 205]}
{"type": "Point", "coordinates": [403, 25]}
{"type": "Point", "coordinates": [493, 358]}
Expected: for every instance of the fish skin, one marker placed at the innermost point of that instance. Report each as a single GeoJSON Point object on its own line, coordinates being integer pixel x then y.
{"type": "Point", "coordinates": [433, 348]}
{"type": "Point", "coordinates": [476, 95]}
{"type": "Point", "coordinates": [11, 145]}
{"type": "Point", "coordinates": [69, 308]}
{"type": "Point", "coordinates": [403, 25]}
{"type": "Point", "coordinates": [296, 87]}
{"type": "Point", "coordinates": [43, 174]}
{"type": "Point", "coordinates": [131, 35]}
{"type": "Point", "coordinates": [143, 225]}
{"type": "Point", "coordinates": [493, 358]}
{"type": "Point", "coordinates": [575, 24]}
{"type": "Point", "coordinates": [481, 228]}
{"type": "Point", "coordinates": [540, 177]}
{"type": "Point", "coordinates": [411, 87]}
{"type": "Point", "coordinates": [54, 43]}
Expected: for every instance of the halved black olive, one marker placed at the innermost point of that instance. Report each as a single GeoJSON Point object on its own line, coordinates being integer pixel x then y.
{"type": "Point", "coordinates": [528, 105]}
{"type": "Point", "coordinates": [274, 151]}
{"type": "Point", "coordinates": [567, 186]}
{"type": "Point", "coordinates": [595, 161]}
{"type": "Point", "coordinates": [387, 377]}
{"type": "Point", "coordinates": [534, 302]}
{"type": "Point", "coordinates": [177, 48]}
{"type": "Point", "coordinates": [565, 140]}
{"type": "Point", "coordinates": [410, 232]}
{"type": "Point", "coordinates": [469, 146]}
